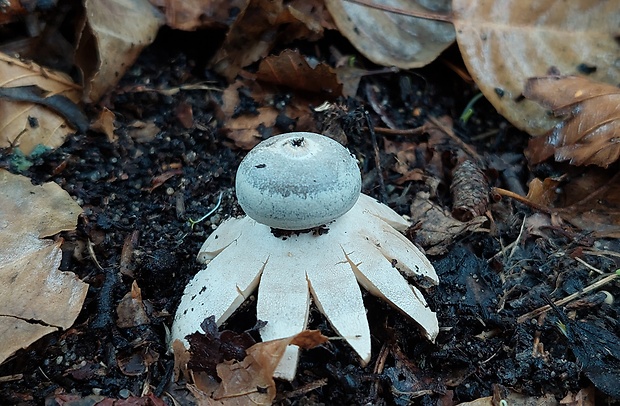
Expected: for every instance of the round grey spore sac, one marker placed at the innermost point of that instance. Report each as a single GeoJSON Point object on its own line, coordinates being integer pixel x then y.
{"type": "Point", "coordinates": [297, 181]}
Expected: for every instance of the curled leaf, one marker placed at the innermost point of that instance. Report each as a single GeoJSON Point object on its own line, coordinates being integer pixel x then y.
{"type": "Point", "coordinates": [504, 42]}
{"type": "Point", "coordinates": [591, 112]}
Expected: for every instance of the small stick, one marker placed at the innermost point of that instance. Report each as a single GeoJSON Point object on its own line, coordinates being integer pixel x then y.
{"type": "Point", "coordinates": [375, 147]}
{"type": "Point", "coordinates": [516, 245]}
{"type": "Point", "coordinates": [590, 267]}
{"type": "Point", "coordinates": [568, 298]}
{"type": "Point", "coordinates": [520, 199]}
{"type": "Point", "coordinates": [394, 131]}
{"type": "Point", "coordinates": [419, 14]}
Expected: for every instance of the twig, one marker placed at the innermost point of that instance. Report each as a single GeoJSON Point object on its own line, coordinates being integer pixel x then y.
{"type": "Point", "coordinates": [375, 147]}
{"type": "Point", "coordinates": [377, 371]}
{"type": "Point", "coordinates": [590, 267]}
{"type": "Point", "coordinates": [514, 247]}
{"type": "Point", "coordinates": [521, 199]}
{"type": "Point", "coordinates": [568, 298]}
{"type": "Point", "coordinates": [502, 251]}
{"type": "Point", "coordinates": [465, 147]}
{"type": "Point", "coordinates": [310, 386]}
{"type": "Point", "coordinates": [394, 131]}
{"type": "Point", "coordinates": [427, 16]}
{"type": "Point", "coordinates": [91, 252]}
{"type": "Point", "coordinates": [9, 378]}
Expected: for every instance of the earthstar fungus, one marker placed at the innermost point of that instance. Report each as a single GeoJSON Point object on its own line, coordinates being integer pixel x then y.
{"type": "Point", "coordinates": [296, 182]}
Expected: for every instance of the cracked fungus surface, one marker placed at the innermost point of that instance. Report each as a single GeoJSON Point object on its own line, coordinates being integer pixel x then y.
{"type": "Point", "coordinates": [363, 247]}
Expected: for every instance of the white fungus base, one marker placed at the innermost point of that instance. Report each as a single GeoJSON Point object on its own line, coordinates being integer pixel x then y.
{"type": "Point", "coordinates": [357, 250]}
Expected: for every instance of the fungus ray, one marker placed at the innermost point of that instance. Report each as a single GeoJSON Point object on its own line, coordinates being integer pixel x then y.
{"type": "Point", "coordinates": [338, 296]}
{"type": "Point", "coordinates": [228, 232]}
{"type": "Point", "coordinates": [381, 279]}
{"type": "Point", "coordinates": [217, 290]}
{"type": "Point", "coordinates": [284, 303]}
{"type": "Point", "coordinates": [369, 205]}
{"type": "Point", "coordinates": [395, 246]}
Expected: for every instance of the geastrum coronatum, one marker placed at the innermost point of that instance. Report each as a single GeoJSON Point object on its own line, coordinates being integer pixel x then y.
{"type": "Point", "coordinates": [309, 232]}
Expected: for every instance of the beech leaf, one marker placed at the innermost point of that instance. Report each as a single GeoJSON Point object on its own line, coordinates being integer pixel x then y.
{"type": "Point", "coordinates": [591, 112]}
{"type": "Point", "coordinates": [293, 70]}
{"type": "Point", "coordinates": [30, 96]}
{"type": "Point", "coordinates": [394, 39]}
{"type": "Point", "coordinates": [504, 42]}
{"type": "Point", "coordinates": [111, 38]}
{"type": "Point", "coordinates": [589, 200]}
{"type": "Point", "coordinates": [35, 297]}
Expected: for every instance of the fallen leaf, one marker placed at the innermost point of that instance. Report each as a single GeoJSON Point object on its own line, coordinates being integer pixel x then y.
{"type": "Point", "coordinates": [293, 70]}
{"type": "Point", "coordinates": [136, 361]}
{"type": "Point", "coordinates": [181, 358]}
{"type": "Point", "coordinates": [27, 124]}
{"type": "Point", "coordinates": [543, 192]}
{"type": "Point", "coordinates": [260, 25]}
{"type": "Point", "coordinates": [35, 297]}
{"type": "Point", "coordinates": [515, 399]}
{"type": "Point", "coordinates": [504, 42]}
{"type": "Point", "coordinates": [408, 381]}
{"type": "Point", "coordinates": [185, 114]}
{"type": "Point", "coordinates": [589, 200]}
{"type": "Point", "coordinates": [12, 11]}
{"type": "Point", "coordinates": [142, 131]}
{"type": "Point", "coordinates": [591, 114]}
{"type": "Point", "coordinates": [112, 36]}
{"type": "Point", "coordinates": [585, 397]}
{"type": "Point", "coordinates": [190, 15]}
{"type": "Point", "coordinates": [435, 229]}
{"type": "Point", "coordinates": [251, 380]}
{"type": "Point", "coordinates": [394, 39]}
{"type": "Point", "coordinates": [213, 347]}
{"type": "Point", "coordinates": [407, 160]}
{"type": "Point", "coordinates": [249, 111]}
{"type": "Point", "coordinates": [104, 123]}
{"type": "Point", "coordinates": [130, 310]}
{"type": "Point", "coordinates": [77, 400]}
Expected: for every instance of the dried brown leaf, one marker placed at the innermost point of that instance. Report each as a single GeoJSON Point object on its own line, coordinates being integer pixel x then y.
{"type": "Point", "coordinates": [35, 297]}
{"type": "Point", "coordinates": [515, 399]}
{"type": "Point", "coordinates": [251, 380]}
{"type": "Point", "coordinates": [190, 15]}
{"type": "Point", "coordinates": [255, 117]}
{"type": "Point", "coordinates": [130, 310]}
{"type": "Point", "coordinates": [105, 124]}
{"type": "Point", "coordinates": [110, 40]}
{"type": "Point", "coordinates": [260, 25]}
{"type": "Point", "coordinates": [504, 42]}
{"type": "Point", "coordinates": [589, 200]}
{"type": "Point", "coordinates": [293, 70]}
{"type": "Point", "coordinates": [543, 193]}
{"type": "Point", "coordinates": [585, 397]}
{"type": "Point", "coordinates": [26, 124]}
{"type": "Point", "coordinates": [591, 113]}
{"type": "Point", "coordinates": [434, 228]}
{"type": "Point", "coordinates": [394, 39]}
{"type": "Point", "coordinates": [213, 347]}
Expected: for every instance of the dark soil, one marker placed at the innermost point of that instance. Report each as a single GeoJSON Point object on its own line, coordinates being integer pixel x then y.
{"type": "Point", "coordinates": [481, 349]}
